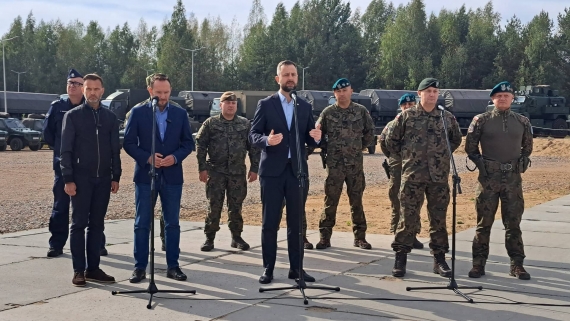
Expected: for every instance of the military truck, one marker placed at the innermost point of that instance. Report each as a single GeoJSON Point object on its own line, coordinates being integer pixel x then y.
{"type": "Point", "coordinates": [246, 102]}
{"type": "Point", "coordinates": [121, 101]}
{"type": "Point", "coordinates": [23, 103]}
{"type": "Point", "coordinates": [464, 104]}
{"type": "Point", "coordinates": [19, 136]}
{"type": "Point", "coordinates": [198, 105]}
{"type": "Point", "coordinates": [3, 143]}
{"type": "Point", "coordinates": [36, 122]}
{"type": "Point", "coordinates": [549, 113]}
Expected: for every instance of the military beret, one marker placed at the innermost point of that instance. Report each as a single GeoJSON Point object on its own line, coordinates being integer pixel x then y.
{"type": "Point", "coordinates": [228, 95]}
{"type": "Point", "coordinates": [428, 82]}
{"type": "Point", "coordinates": [341, 83]}
{"type": "Point", "coordinates": [502, 87]}
{"type": "Point", "coordinates": [73, 74]}
{"type": "Point", "coordinates": [406, 98]}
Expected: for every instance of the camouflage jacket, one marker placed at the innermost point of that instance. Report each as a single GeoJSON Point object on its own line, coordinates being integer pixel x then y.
{"type": "Point", "coordinates": [394, 160]}
{"type": "Point", "coordinates": [347, 131]}
{"type": "Point", "coordinates": [226, 142]}
{"type": "Point", "coordinates": [419, 138]}
{"type": "Point", "coordinates": [504, 136]}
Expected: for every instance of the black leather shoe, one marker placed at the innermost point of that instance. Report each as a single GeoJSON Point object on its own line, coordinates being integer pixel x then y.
{"type": "Point", "coordinates": [137, 276]}
{"type": "Point", "coordinates": [163, 247]}
{"type": "Point", "coordinates": [54, 252]}
{"type": "Point", "coordinates": [103, 252]}
{"type": "Point", "coordinates": [294, 274]}
{"type": "Point", "coordinates": [176, 273]}
{"type": "Point", "coordinates": [267, 277]}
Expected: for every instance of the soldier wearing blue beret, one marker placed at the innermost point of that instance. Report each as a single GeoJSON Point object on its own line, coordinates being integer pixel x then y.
{"type": "Point", "coordinates": [506, 144]}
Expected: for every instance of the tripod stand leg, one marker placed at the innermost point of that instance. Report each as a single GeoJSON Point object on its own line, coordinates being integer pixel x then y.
{"type": "Point", "coordinates": [149, 305]}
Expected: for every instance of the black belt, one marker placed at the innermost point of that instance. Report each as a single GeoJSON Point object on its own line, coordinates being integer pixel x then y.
{"type": "Point", "coordinates": [289, 161]}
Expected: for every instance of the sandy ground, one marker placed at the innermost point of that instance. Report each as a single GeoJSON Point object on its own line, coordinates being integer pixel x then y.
{"type": "Point", "coordinates": [27, 178]}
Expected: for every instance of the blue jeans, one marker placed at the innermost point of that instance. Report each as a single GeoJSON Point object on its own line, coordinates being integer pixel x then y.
{"type": "Point", "coordinates": [170, 196]}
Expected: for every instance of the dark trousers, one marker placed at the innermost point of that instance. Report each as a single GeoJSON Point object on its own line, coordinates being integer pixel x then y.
{"type": "Point", "coordinates": [89, 209]}
{"type": "Point", "coordinates": [273, 190]}
{"type": "Point", "coordinates": [59, 219]}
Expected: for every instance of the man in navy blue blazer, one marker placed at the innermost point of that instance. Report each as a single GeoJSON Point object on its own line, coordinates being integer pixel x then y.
{"type": "Point", "coordinates": [173, 143]}
{"type": "Point", "coordinates": [273, 130]}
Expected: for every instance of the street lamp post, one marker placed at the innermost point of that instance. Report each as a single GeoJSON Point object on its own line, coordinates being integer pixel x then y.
{"type": "Point", "coordinates": [193, 50]}
{"type": "Point", "coordinates": [304, 77]}
{"type": "Point", "coordinates": [19, 72]}
{"type": "Point", "coordinates": [4, 70]}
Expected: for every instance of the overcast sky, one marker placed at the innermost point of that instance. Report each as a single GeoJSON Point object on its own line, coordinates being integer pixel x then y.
{"type": "Point", "coordinates": [109, 13]}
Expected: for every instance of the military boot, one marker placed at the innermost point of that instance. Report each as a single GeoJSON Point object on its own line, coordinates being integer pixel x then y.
{"type": "Point", "coordinates": [306, 244]}
{"type": "Point", "coordinates": [399, 269]}
{"type": "Point", "coordinates": [323, 244]}
{"type": "Point", "coordinates": [477, 271]}
{"type": "Point", "coordinates": [417, 244]}
{"type": "Point", "coordinates": [239, 243]}
{"type": "Point", "coordinates": [440, 266]}
{"type": "Point", "coordinates": [208, 244]}
{"type": "Point", "coordinates": [518, 271]}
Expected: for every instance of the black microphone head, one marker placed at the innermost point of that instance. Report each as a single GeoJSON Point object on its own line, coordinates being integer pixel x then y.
{"type": "Point", "coordinates": [155, 99]}
{"type": "Point", "coordinates": [293, 93]}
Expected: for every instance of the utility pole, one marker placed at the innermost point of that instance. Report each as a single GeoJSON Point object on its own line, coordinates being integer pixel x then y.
{"type": "Point", "coordinates": [193, 51]}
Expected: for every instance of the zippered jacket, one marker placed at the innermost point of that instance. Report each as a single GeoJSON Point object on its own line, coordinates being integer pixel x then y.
{"type": "Point", "coordinates": [90, 143]}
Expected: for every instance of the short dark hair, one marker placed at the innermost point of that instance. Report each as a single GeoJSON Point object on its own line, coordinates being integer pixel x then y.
{"type": "Point", "coordinates": [285, 63]}
{"type": "Point", "coordinates": [93, 76]}
{"type": "Point", "coordinates": [160, 77]}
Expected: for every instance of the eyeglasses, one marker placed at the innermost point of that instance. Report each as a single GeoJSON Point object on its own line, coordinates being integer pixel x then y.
{"type": "Point", "coordinates": [74, 84]}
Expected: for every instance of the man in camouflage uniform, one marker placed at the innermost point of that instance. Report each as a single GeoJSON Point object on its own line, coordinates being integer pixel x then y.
{"type": "Point", "coordinates": [506, 144]}
{"type": "Point", "coordinates": [348, 128]}
{"type": "Point", "coordinates": [418, 136]}
{"type": "Point", "coordinates": [225, 139]}
{"type": "Point", "coordinates": [394, 163]}
{"type": "Point", "coordinates": [127, 116]}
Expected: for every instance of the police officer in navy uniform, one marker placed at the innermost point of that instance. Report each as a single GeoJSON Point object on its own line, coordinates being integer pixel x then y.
{"type": "Point", "coordinates": [59, 220]}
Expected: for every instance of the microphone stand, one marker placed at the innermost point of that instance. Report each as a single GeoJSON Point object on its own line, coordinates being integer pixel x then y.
{"type": "Point", "coordinates": [152, 289]}
{"type": "Point", "coordinates": [452, 285]}
{"type": "Point", "coordinates": [302, 177]}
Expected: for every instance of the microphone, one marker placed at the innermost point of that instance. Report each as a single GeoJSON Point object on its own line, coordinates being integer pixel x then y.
{"type": "Point", "coordinates": [440, 107]}
{"type": "Point", "coordinates": [294, 95]}
{"type": "Point", "coordinates": [154, 101]}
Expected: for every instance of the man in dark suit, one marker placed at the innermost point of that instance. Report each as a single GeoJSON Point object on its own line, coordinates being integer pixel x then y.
{"type": "Point", "coordinates": [173, 143]}
{"type": "Point", "coordinates": [273, 130]}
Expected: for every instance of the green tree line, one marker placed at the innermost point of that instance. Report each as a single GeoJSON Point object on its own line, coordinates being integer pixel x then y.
{"type": "Point", "coordinates": [383, 47]}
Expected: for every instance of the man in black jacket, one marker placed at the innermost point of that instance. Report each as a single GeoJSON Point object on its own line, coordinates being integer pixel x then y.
{"type": "Point", "coordinates": [91, 169]}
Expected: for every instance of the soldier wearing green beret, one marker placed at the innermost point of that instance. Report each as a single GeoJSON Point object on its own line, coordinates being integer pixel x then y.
{"type": "Point", "coordinates": [348, 128]}
{"type": "Point", "coordinates": [506, 144]}
{"type": "Point", "coordinates": [394, 163]}
{"type": "Point", "coordinates": [418, 137]}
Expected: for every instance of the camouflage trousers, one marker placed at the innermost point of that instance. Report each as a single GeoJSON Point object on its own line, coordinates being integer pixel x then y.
{"type": "Point", "coordinates": [506, 187]}
{"type": "Point", "coordinates": [411, 201]}
{"type": "Point", "coordinates": [353, 176]}
{"type": "Point", "coordinates": [217, 186]}
{"type": "Point", "coordinates": [393, 194]}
